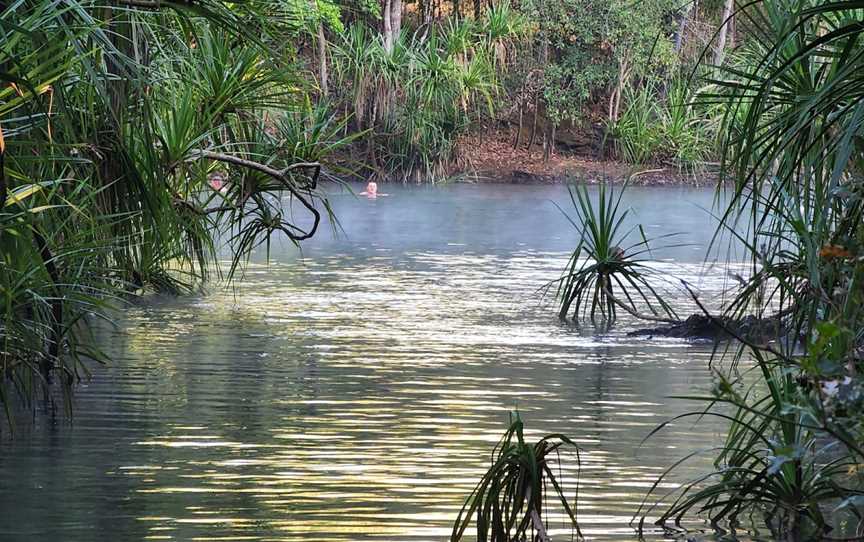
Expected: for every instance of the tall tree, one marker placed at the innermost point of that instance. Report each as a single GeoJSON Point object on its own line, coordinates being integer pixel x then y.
{"type": "Point", "coordinates": [723, 32]}
{"type": "Point", "coordinates": [322, 58]}
{"type": "Point", "coordinates": [395, 17]}
{"type": "Point", "coordinates": [387, 22]}
{"type": "Point", "coordinates": [322, 48]}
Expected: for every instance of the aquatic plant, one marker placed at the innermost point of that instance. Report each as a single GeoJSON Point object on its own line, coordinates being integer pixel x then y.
{"type": "Point", "coordinates": [509, 502]}
{"type": "Point", "coordinates": [604, 272]}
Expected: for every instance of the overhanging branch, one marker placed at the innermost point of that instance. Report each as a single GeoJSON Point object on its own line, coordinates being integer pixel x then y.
{"type": "Point", "coordinates": [281, 175]}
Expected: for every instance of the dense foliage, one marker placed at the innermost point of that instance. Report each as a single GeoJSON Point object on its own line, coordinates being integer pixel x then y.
{"type": "Point", "coordinates": [793, 140]}
{"type": "Point", "coordinates": [794, 125]}
{"type": "Point", "coordinates": [414, 99]}
{"type": "Point", "coordinates": [132, 139]}
{"type": "Point", "coordinates": [420, 82]}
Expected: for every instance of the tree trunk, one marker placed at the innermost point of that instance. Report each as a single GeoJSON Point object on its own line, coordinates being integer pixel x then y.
{"type": "Point", "coordinates": [615, 98]}
{"type": "Point", "coordinates": [56, 341]}
{"type": "Point", "coordinates": [730, 40]}
{"type": "Point", "coordinates": [120, 33]}
{"type": "Point", "coordinates": [682, 27]}
{"type": "Point", "coordinates": [545, 146]}
{"type": "Point", "coordinates": [728, 6]}
{"type": "Point", "coordinates": [612, 104]}
{"type": "Point", "coordinates": [395, 18]}
{"type": "Point", "coordinates": [534, 125]}
{"type": "Point", "coordinates": [519, 129]}
{"type": "Point", "coordinates": [388, 26]}
{"type": "Point", "coordinates": [322, 58]}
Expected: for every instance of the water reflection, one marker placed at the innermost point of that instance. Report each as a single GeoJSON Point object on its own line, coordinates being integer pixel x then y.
{"type": "Point", "coordinates": [355, 393]}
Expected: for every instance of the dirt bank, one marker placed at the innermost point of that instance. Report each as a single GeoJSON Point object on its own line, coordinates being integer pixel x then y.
{"type": "Point", "coordinates": [492, 158]}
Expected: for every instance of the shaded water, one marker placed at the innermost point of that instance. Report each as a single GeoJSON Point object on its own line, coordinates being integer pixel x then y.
{"type": "Point", "coordinates": [355, 393]}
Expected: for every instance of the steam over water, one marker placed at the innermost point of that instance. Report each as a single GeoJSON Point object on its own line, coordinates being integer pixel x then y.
{"type": "Point", "coordinates": [355, 392]}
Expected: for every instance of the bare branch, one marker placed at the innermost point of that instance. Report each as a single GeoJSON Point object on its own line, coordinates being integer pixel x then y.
{"type": "Point", "coordinates": [279, 175]}
{"type": "Point", "coordinates": [641, 316]}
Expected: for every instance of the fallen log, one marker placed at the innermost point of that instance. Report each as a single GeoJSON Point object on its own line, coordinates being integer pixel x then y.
{"type": "Point", "coordinates": [702, 327]}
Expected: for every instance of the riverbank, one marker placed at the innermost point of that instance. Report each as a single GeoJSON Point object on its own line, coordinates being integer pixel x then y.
{"type": "Point", "coordinates": [492, 158]}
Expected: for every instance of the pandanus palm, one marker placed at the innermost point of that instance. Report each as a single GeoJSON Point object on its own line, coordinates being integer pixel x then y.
{"type": "Point", "coordinates": [604, 272]}
{"type": "Point", "coordinates": [120, 114]}
{"type": "Point", "coordinates": [510, 500]}
{"type": "Point", "coordinates": [794, 157]}
{"type": "Point", "coordinates": [794, 149]}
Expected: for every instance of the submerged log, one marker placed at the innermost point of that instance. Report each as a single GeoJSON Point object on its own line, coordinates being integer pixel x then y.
{"type": "Point", "coordinates": [701, 327]}
{"type": "Point", "coordinates": [696, 327]}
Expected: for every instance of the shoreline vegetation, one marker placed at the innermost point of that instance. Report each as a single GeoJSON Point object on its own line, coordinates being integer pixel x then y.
{"type": "Point", "coordinates": [493, 159]}
{"type": "Point", "coordinates": [437, 91]}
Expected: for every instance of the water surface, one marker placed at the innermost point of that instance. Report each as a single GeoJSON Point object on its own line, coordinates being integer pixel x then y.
{"type": "Point", "coordinates": [355, 391]}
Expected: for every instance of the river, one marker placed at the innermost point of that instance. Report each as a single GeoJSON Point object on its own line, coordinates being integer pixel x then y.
{"type": "Point", "coordinates": [354, 390]}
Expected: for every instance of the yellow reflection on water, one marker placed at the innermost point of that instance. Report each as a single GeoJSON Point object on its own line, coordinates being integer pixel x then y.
{"type": "Point", "coordinates": [360, 401]}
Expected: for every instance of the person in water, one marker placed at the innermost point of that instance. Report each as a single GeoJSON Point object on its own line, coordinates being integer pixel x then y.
{"type": "Point", "coordinates": [218, 182]}
{"type": "Point", "coordinates": [371, 190]}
